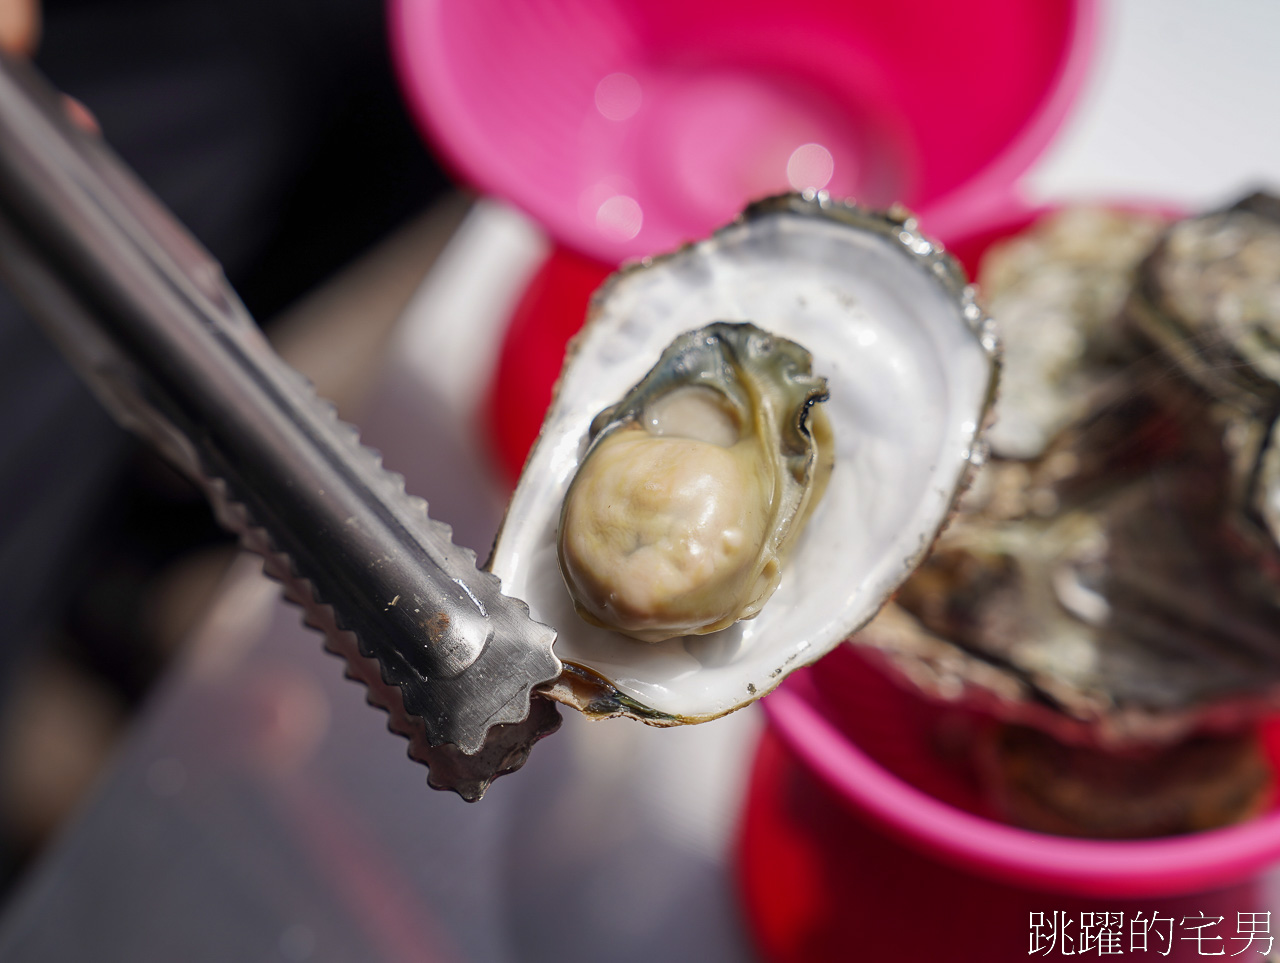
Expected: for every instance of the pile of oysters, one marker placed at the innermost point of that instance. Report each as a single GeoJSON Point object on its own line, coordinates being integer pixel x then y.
{"type": "Point", "coordinates": [1110, 588]}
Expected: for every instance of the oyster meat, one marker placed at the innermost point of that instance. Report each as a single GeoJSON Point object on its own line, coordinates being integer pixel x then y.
{"type": "Point", "coordinates": [909, 358]}
{"type": "Point", "coordinates": [695, 486]}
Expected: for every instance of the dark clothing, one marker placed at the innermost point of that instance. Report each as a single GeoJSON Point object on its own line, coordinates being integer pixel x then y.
{"type": "Point", "coordinates": [273, 129]}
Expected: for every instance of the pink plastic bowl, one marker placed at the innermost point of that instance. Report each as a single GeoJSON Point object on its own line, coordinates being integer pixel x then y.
{"type": "Point", "coordinates": [629, 126]}
{"type": "Point", "coordinates": [1139, 868]}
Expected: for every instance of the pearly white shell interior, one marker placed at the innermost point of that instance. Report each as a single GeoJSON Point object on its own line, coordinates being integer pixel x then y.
{"type": "Point", "coordinates": [909, 380]}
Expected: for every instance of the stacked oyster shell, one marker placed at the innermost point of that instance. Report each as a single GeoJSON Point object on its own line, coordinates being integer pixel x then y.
{"type": "Point", "coordinates": [1113, 576]}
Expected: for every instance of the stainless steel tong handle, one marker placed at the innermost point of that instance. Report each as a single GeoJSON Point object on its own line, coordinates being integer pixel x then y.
{"type": "Point", "coordinates": [147, 318]}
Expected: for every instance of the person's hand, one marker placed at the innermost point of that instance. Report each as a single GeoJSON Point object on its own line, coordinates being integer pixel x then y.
{"type": "Point", "coordinates": [19, 26]}
{"type": "Point", "coordinates": [19, 34]}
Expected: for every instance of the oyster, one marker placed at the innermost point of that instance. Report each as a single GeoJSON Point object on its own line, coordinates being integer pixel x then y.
{"type": "Point", "coordinates": [1203, 782]}
{"type": "Point", "coordinates": [1055, 292]}
{"type": "Point", "coordinates": [695, 486]}
{"type": "Point", "coordinates": [1110, 588]}
{"type": "Point", "coordinates": [891, 324]}
{"type": "Point", "coordinates": [1210, 297]}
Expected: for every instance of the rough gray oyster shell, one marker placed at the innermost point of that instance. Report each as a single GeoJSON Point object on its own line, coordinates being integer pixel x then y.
{"type": "Point", "coordinates": [1112, 587]}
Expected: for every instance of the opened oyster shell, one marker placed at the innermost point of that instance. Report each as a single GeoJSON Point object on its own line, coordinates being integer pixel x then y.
{"type": "Point", "coordinates": [909, 358]}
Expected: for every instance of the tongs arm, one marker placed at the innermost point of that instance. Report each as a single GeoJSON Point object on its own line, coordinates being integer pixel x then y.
{"type": "Point", "coordinates": [147, 318]}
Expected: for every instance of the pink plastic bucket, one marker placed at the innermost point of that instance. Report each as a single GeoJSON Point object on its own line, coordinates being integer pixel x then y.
{"type": "Point", "coordinates": [1131, 868]}
{"type": "Point", "coordinates": [629, 126]}
{"type": "Point", "coordinates": [815, 883]}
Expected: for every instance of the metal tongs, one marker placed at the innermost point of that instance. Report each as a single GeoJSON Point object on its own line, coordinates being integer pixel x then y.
{"type": "Point", "coordinates": [147, 318]}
